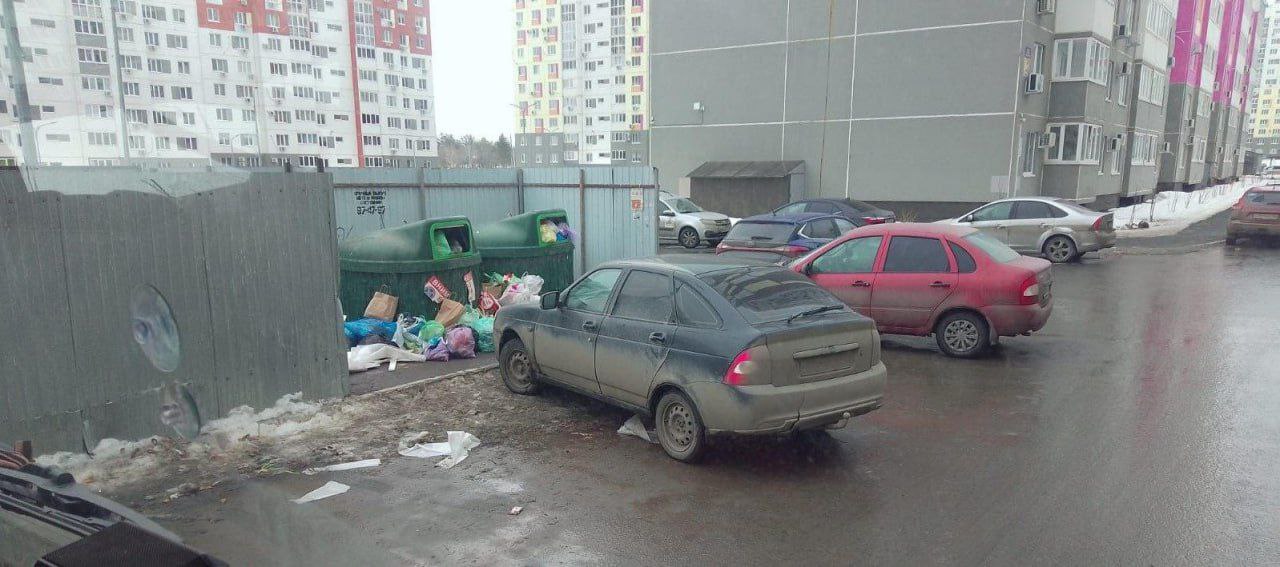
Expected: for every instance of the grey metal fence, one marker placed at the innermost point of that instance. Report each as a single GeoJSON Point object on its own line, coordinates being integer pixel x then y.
{"type": "Point", "coordinates": [613, 208]}
{"type": "Point", "coordinates": [247, 262]}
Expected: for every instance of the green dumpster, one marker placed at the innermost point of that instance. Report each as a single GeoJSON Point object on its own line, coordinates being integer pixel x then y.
{"type": "Point", "coordinates": [403, 259]}
{"type": "Point", "coordinates": [513, 246]}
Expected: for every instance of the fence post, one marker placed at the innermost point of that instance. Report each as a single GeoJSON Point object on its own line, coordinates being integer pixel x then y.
{"type": "Point", "coordinates": [422, 193]}
{"type": "Point", "coordinates": [520, 190]}
{"type": "Point", "coordinates": [582, 218]}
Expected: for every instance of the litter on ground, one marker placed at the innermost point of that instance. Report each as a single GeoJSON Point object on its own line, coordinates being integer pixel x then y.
{"type": "Point", "coordinates": [345, 466]}
{"type": "Point", "coordinates": [634, 426]}
{"type": "Point", "coordinates": [455, 449]}
{"type": "Point", "coordinates": [330, 488]}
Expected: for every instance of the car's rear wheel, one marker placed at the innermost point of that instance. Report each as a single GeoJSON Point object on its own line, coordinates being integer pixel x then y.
{"type": "Point", "coordinates": [680, 430]}
{"type": "Point", "coordinates": [1059, 249]}
{"type": "Point", "coordinates": [689, 237]}
{"type": "Point", "coordinates": [516, 367]}
{"type": "Point", "coordinates": [963, 335]}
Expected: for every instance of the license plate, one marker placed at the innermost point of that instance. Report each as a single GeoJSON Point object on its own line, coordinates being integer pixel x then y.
{"type": "Point", "coordinates": [1266, 216]}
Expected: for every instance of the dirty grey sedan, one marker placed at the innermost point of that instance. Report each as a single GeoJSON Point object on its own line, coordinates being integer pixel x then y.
{"type": "Point", "coordinates": [702, 345]}
{"type": "Point", "coordinates": [1061, 231]}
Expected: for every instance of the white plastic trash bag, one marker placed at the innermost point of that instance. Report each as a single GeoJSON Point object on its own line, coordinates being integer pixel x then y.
{"type": "Point", "coordinates": [364, 357]}
{"type": "Point", "coordinates": [330, 488]}
{"type": "Point", "coordinates": [455, 449]}
{"type": "Point", "coordinates": [525, 290]}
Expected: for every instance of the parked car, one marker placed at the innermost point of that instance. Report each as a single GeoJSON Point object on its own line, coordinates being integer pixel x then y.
{"type": "Point", "coordinates": [681, 220]}
{"type": "Point", "coordinates": [704, 345]}
{"type": "Point", "coordinates": [773, 237]}
{"type": "Point", "coordinates": [956, 283]}
{"type": "Point", "coordinates": [1059, 230]}
{"type": "Point", "coordinates": [857, 211]}
{"type": "Point", "coordinates": [1257, 213]}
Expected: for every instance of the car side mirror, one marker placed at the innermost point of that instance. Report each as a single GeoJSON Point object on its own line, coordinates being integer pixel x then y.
{"type": "Point", "coordinates": [667, 214]}
{"type": "Point", "coordinates": [966, 218]}
{"type": "Point", "coordinates": [550, 300]}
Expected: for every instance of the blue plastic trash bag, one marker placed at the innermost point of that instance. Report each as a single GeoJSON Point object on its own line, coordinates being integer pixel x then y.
{"type": "Point", "coordinates": [360, 329]}
{"type": "Point", "coordinates": [483, 326]}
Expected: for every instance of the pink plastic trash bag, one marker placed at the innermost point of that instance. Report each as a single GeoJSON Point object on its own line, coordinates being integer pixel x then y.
{"type": "Point", "coordinates": [461, 341]}
{"type": "Point", "coordinates": [439, 352]}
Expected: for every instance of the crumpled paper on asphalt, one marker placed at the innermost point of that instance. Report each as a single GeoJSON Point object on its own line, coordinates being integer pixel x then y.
{"type": "Point", "coordinates": [455, 449]}
{"type": "Point", "coordinates": [330, 488]}
{"type": "Point", "coordinates": [344, 466]}
{"type": "Point", "coordinates": [635, 427]}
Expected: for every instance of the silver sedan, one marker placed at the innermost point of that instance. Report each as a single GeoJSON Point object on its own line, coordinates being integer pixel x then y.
{"type": "Point", "coordinates": [1059, 230]}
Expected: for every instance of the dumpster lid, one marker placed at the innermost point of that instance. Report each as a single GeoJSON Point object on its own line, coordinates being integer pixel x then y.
{"type": "Point", "coordinates": [519, 231]}
{"type": "Point", "coordinates": [409, 245]}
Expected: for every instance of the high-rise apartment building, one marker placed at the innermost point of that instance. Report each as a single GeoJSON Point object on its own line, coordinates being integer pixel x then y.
{"type": "Point", "coordinates": [581, 82]}
{"type": "Point", "coordinates": [1264, 104]}
{"type": "Point", "coordinates": [177, 83]}
{"type": "Point", "coordinates": [1204, 125]}
{"type": "Point", "coordinates": [937, 107]}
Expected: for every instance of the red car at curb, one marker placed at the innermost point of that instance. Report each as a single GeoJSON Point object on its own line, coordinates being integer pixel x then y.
{"type": "Point", "coordinates": [954, 282]}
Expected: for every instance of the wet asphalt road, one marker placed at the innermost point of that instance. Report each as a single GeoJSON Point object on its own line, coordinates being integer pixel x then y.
{"type": "Point", "coordinates": [1140, 427]}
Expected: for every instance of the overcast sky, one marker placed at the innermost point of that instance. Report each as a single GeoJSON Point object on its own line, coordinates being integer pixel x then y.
{"type": "Point", "coordinates": [474, 77]}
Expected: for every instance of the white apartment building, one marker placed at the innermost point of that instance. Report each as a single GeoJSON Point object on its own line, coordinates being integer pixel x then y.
{"type": "Point", "coordinates": [182, 83]}
{"type": "Point", "coordinates": [581, 82]}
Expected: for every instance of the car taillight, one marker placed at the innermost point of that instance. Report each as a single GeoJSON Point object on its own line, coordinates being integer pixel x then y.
{"type": "Point", "coordinates": [875, 220]}
{"type": "Point", "coordinates": [1097, 225]}
{"type": "Point", "coordinates": [791, 250]}
{"type": "Point", "coordinates": [739, 368]}
{"type": "Point", "coordinates": [1030, 293]}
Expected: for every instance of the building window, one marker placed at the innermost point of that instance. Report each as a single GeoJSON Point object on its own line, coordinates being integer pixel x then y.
{"type": "Point", "coordinates": [1080, 59]}
{"type": "Point", "coordinates": [90, 55]}
{"type": "Point", "coordinates": [1201, 148]}
{"type": "Point", "coordinates": [1030, 153]}
{"type": "Point", "coordinates": [1151, 85]}
{"type": "Point", "coordinates": [1159, 20]}
{"type": "Point", "coordinates": [1075, 144]}
{"type": "Point", "coordinates": [1144, 149]}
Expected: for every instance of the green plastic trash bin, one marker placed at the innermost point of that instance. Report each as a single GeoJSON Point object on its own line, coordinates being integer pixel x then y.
{"type": "Point", "coordinates": [513, 246]}
{"type": "Point", "coordinates": [403, 259]}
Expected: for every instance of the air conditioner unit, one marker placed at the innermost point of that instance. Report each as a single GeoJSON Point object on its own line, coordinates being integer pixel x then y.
{"type": "Point", "coordinates": [1035, 83]}
{"type": "Point", "coordinates": [1115, 142]}
{"type": "Point", "coordinates": [1046, 6]}
{"type": "Point", "coordinates": [1190, 122]}
{"type": "Point", "coordinates": [222, 74]}
{"type": "Point", "coordinates": [1124, 68]}
{"type": "Point", "coordinates": [247, 99]}
{"type": "Point", "coordinates": [1169, 62]}
{"type": "Point", "coordinates": [146, 21]}
{"type": "Point", "coordinates": [1122, 30]}
{"type": "Point", "coordinates": [277, 101]}
{"type": "Point", "coordinates": [1164, 148]}
{"type": "Point", "coordinates": [1048, 140]}
{"type": "Point", "coordinates": [128, 71]}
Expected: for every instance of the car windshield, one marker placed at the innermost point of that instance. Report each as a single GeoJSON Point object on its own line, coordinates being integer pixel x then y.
{"type": "Point", "coordinates": [682, 205]}
{"type": "Point", "coordinates": [763, 295]}
{"type": "Point", "coordinates": [997, 250]}
{"type": "Point", "coordinates": [761, 232]}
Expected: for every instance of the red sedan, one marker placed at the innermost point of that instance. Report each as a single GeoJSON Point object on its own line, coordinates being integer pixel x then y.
{"type": "Point", "coordinates": [962, 286]}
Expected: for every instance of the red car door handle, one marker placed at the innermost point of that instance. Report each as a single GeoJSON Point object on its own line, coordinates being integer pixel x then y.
{"type": "Point", "coordinates": [861, 283]}
{"type": "Point", "coordinates": [939, 284]}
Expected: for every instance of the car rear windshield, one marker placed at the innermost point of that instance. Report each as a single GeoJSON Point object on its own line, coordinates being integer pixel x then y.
{"type": "Point", "coordinates": [1076, 208]}
{"type": "Point", "coordinates": [763, 295]}
{"type": "Point", "coordinates": [774, 232]}
{"type": "Point", "coordinates": [1264, 197]}
{"type": "Point", "coordinates": [860, 205]}
{"type": "Point", "coordinates": [997, 250]}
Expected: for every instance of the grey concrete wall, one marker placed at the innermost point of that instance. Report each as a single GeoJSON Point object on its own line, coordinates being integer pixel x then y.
{"type": "Point", "coordinates": [892, 98]}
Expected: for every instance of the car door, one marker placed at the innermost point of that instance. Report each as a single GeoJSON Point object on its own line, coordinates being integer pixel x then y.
{"type": "Point", "coordinates": [993, 220]}
{"type": "Point", "coordinates": [666, 221]}
{"type": "Point", "coordinates": [847, 271]}
{"type": "Point", "coordinates": [1028, 223]}
{"type": "Point", "coordinates": [915, 277]}
{"type": "Point", "coordinates": [564, 343]}
{"type": "Point", "coordinates": [633, 339]}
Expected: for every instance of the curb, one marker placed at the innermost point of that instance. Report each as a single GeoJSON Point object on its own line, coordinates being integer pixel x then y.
{"type": "Point", "coordinates": [467, 372]}
{"type": "Point", "coordinates": [1152, 251]}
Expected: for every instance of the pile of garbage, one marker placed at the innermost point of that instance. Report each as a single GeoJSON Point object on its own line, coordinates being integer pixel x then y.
{"type": "Point", "coordinates": [550, 232]}
{"type": "Point", "coordinates": [458, 331]}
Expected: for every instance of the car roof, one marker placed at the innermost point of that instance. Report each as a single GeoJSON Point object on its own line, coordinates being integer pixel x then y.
{"type": "Point", "coordinates": [693, 264]}
{"type": "Point", "coordinates": [1268, 188]}
{"type": "Point", "coordinates": [788, 217]}
{"type": "Point", "coordinates": [912, 229]}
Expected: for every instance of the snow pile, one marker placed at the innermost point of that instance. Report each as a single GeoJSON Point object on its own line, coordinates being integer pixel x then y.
{"type": "Point", "coordinates": [1175, 210]}
{"type": "Point", "coordinates": [114, 461]}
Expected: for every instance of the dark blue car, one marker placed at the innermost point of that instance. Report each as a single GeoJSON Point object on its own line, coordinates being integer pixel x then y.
{"type": "Point", "coordinates": [773, 238]}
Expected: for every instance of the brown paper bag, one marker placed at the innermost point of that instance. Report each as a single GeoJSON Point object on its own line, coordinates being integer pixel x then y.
{"type": "Point", "coordinates": [449, 314]}
{"type": "Point", "coordinates": [382, 306]}
{"type": "Point", "coordinates": [494, 290]}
